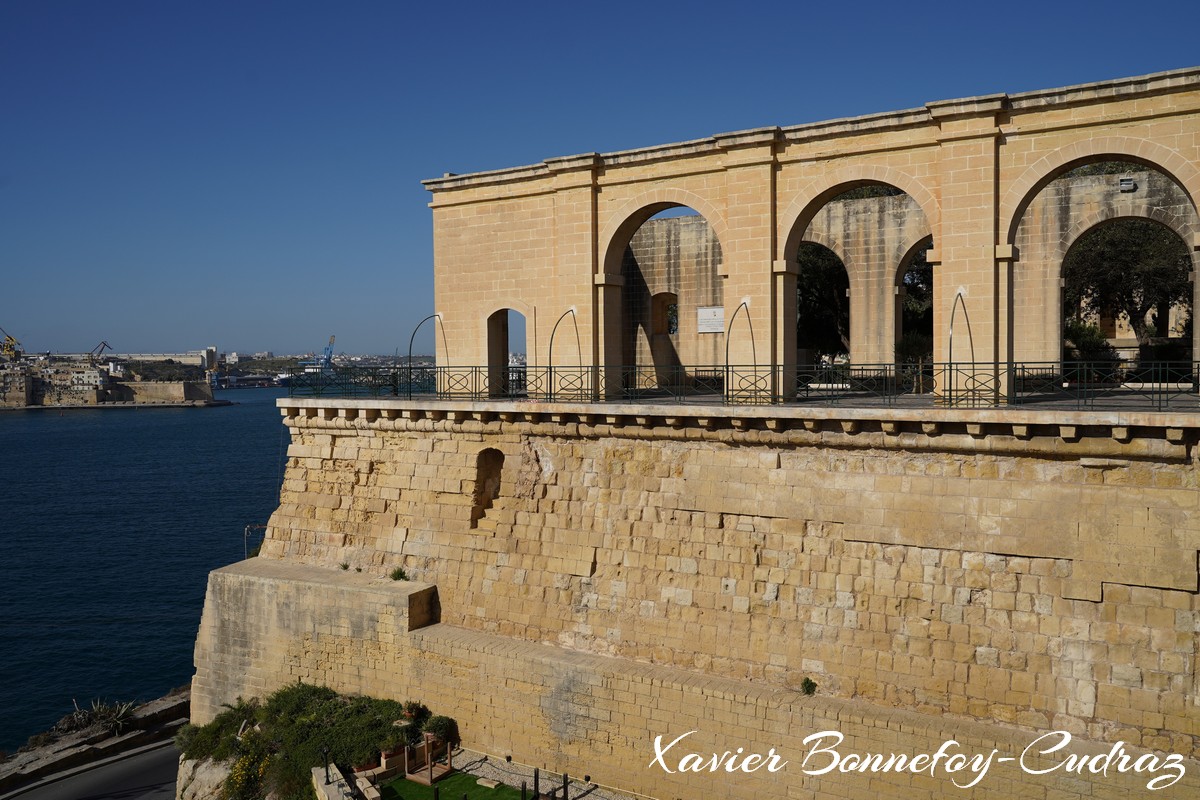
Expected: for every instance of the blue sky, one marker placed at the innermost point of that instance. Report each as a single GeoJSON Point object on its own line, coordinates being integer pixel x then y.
{"type": "Point", "coordinates": [247, 174]}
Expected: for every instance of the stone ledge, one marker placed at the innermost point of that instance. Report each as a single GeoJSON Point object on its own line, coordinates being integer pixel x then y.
{"type": "Point", "coordinates": [416, 598]}
{"type": "Point", "coordinates": [1127, 434]}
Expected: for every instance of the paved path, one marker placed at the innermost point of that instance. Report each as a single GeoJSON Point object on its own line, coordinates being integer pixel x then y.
{"type": "Point", "coordinates": [147, 776]}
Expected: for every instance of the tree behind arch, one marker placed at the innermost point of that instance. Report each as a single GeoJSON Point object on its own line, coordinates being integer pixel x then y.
{"type": "Point", "coordinates": [822, 307]}
{"type": "Point", "coordinates": [1131, 267]}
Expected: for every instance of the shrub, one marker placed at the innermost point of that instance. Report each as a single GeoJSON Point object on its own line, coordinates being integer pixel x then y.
{"type": "Point", "coordinates": [114, 717]}
{"type": "Point", "coordinates": [218, 739]}
{"type": "Point", "coordinates": [283, 738]}
{"type": "Point", "coordinates": [41, 740]}
{"type": "Point", "coordinates": [443, 728]}
{"type": "Point", "coordinates": [399, 574]}
{"type": "Point", "coordinates": [808, 686]}
{"type": "Point", "coordinates": [1087, 341]}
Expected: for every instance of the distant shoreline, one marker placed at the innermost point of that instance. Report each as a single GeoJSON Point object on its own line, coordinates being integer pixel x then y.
{"type": "Point", "coordinates": [122, 404]}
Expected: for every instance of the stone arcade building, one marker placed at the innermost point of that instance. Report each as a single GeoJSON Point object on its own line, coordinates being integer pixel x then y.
{"type": "Point", "coordinates": [590, 575]}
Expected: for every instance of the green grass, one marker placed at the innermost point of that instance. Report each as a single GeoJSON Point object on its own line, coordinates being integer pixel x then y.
{"type": "Point", "coordinates": [452, 788]}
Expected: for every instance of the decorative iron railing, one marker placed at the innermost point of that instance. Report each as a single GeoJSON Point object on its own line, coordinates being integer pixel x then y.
{"type": "Point", "coordinates": [1069, 384]}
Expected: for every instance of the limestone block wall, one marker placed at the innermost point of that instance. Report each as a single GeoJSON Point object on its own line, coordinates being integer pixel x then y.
{"type": "Point", "coordinates": [267, 624]}
{"type": "Point", "coordinates": [1037, 571]}
{"type": "Point", "coordinates": [161, 391]}
{"type": "Point", "coordinates": [588, 714]}
{"type": "Point", "coordinates": [16, 388]}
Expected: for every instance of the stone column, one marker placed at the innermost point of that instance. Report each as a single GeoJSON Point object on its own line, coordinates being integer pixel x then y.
{"type": "Point", "coordinates": [748, 248]}
{"type": "Point", "coordinates": [606, 379]}
{"type": "Point", "coordinates": [965, 287]}
{"type": "Point", "coordinates": [784, 354]}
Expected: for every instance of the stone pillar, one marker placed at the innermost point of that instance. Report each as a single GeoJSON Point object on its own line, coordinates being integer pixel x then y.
{"type": "Point", "coordinates": [748, 247]}
{"type": "Point", "coordinates": [1195, 297]}
{"type": "Point", "coordinates": [606, 381]}
{"type": "Point", "coordinates": [1005, 259]}
{"type": "Point", "coordinates": [784, 354]}
{"type": "Point", "coordinates": [566, 287]}
{"type": "Point", "coordinates": [965, 287]}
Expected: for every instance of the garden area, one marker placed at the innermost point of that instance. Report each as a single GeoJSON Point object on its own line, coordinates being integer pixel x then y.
{"type": "Point", "coordinates": [455, 787]}
{"type": "Point", "coordinates": [273, 745]}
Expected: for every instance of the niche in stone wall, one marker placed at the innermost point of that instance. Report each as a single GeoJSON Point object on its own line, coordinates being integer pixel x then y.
{"type": "Point", "coordinates": [488, 466]}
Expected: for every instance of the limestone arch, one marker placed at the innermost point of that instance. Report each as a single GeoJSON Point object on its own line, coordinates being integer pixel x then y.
{"type": "Point", "coordinates": [906, 261]}
{"type": "Point", "coordinates": [832, 245]}
{"type": "Point", "coordinates": [501, 381]}
{"type": "Point", "coordinates": [1107, 148]}
{"type": "Point", "coordinates": [510, 302]}
{"type": "Point", "coordinates": [513, 303]}
{"type": "Point", "coordinates": [872, 289]}
{"type": "Point", "coordinates": [1040, 315]}
{"type": "Point", "coordinates": [634, 212]}
{"type": "Point", "coordinates": [1181, 227]}
{"type": "Point", "coordinates": [817, 192]}
{"type": "Point", "coordinates": [1092, 221]}
{"type": "Point", "coordinates": [615, 237]}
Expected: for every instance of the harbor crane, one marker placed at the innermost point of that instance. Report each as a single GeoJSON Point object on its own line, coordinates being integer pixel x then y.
{"type": "Point", "coordinates": [327, 357]}
{"type": "Point", "coordinates": [97, 351]}
{"type": "Point", "coordinates": [10, 348]}
{"type": "Point", "coordinates": [324, 364]}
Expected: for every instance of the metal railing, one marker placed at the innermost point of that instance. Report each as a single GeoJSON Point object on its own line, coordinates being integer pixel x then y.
{"type": "Point", "coordinates": [1069, 385]}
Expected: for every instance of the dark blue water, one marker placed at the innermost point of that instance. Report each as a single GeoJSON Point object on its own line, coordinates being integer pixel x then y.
{"type": "Point", "coordinates": [110, 521]}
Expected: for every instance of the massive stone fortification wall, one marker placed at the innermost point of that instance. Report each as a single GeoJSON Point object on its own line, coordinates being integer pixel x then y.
{"type": "Point", "coordinates": [995, 576]}
{"type": "Point", "coordinates": [168, 391]}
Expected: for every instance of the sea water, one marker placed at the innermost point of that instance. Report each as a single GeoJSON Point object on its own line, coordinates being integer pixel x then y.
{"type": "Point", "coordinates": [110, 521]}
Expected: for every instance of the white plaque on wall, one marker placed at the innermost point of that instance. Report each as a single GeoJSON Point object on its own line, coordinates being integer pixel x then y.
{"type": "Point", "coordinates": [710, 319]}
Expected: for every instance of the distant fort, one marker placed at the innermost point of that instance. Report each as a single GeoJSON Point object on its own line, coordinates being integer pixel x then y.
{"type": "Point", "coordinates": [84, 380]}
{"type": "Point", "coordinates": [602, 554]}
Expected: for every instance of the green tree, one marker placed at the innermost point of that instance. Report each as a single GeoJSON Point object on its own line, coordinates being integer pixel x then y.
{"type": "Point", "coordinates": [916, 312]}
{"type": "Point", "coordinates": [1131, 267]}
{"type": "Point", "coordinates": [822, 307]}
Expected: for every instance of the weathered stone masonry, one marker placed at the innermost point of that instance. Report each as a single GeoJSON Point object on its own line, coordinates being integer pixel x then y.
{"type": "Point", "coordinates": [1029, 571]}
{"type": "Point", "coordinates": [587, 577]}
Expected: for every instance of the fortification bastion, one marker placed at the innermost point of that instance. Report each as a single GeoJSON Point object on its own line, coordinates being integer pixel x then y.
{"type": "Point", "coordinates": [587, 576]}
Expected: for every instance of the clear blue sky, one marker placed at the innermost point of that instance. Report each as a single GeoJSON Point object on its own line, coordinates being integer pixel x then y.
{"type": "Point", "coordinates": [247, 174]}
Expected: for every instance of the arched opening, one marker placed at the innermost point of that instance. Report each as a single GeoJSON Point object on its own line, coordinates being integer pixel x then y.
{"type": "Point", "coordinates": [873, 232]}
{"type": "Point", "coordinates": [1127, 294]}
{"type": "Point", "coordinates": [914, 307]}
{"type": "Point", "coordinates": [489, 465]}
{"type": "Point", "coordinates": [506, 354]}
{"type": "Point", "coordinates": [822, 306]}
{"type": "Point", "coordinates": [672, 309]}
{"type": "Point", "coordinates": [664, 314]}
{"type": "Point", "coordinates": [1103, 269]}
